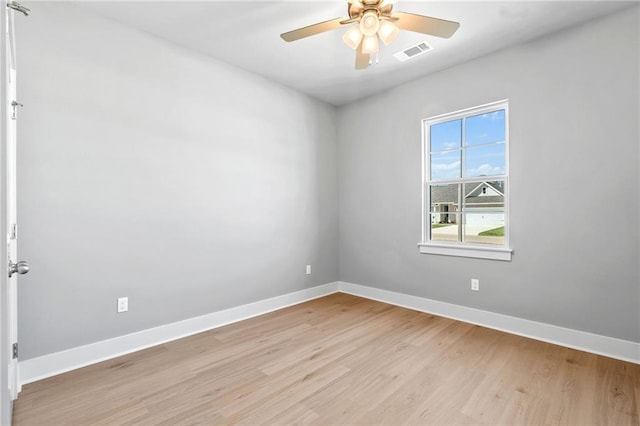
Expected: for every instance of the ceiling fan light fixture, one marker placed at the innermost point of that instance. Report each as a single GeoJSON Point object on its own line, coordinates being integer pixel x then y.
{"type": "Point", "coordinates": [370, 44]}
{"type": "Point", "coordinates": [388, 32]}
{"type": "Point", "coordinates": [373, 19]}
{"type": "Point", "coordinates": [353, 37]}
{"type": "Point", "coordinates": [369, 23]}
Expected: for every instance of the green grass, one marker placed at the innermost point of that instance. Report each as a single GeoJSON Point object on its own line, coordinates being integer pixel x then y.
{"type": "Point", "coordinates": [440, 225]}
{"type": "Point", "coordinates": [496, 232]}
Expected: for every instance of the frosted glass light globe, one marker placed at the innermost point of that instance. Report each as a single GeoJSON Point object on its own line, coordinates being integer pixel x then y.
{"type": "Point", "coordinates": [370, 44]}
{"type": "Point", "coordinates": [388, 32]}
{"type": "Point", "coordinates": [369, 23]}
{"type": "Point", "coordinates": [352, 37]}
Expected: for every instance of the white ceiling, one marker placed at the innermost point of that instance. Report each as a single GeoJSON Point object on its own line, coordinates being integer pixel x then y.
{"type": "Point", "coordinates": [246, 34]}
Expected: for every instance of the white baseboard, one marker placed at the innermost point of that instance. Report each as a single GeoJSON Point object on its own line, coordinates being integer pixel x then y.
{"type": "Point", "coordinates": [602, 345]}
{"type": "Point", "coordinates": [59, 362]}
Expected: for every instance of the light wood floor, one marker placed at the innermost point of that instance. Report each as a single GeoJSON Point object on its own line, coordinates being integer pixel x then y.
{"type": "Point", "coordinates": [342, 359]}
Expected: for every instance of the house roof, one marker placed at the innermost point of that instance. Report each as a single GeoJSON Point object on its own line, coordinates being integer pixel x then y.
{"type": "Point", "coordinates": [448, 194]}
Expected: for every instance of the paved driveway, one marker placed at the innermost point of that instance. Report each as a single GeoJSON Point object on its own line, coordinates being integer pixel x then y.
{"type": "Point", "coordinates": [468, 229]}
{"type": "Point", "coordinates": [450, 233]}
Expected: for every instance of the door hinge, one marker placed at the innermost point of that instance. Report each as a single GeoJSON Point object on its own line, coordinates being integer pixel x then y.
{"type": "Point", "coordinates": [18, 7]}
{"type": "Point", "coordinates": [14, 231]}
{"type": "Point", "coordinates": [15, 350]}
{"type": "Point", "coordinates": [15, 105]}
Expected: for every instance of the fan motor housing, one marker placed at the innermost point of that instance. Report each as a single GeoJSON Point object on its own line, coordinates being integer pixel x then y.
{"type": "Point", "coordinates": [356, 11]}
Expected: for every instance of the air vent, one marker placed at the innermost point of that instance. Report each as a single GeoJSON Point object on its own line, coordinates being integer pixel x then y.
{"type": "Point", "coordinates": [413, 51]}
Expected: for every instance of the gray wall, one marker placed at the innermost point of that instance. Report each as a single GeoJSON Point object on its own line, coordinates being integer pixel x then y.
{"type": "Point", "coordinates": [574, 182]}
{"type": "Point", "coordinates": [151, 172]}
{"type": "Point", "coordinates": [190, 186]}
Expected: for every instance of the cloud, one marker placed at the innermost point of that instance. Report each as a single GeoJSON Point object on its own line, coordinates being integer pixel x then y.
{"type": "Point", "coordinates": [453, 144]}
{"type": "Point", "coordinates": [445, 170]}
{"type": "Point", "coordinates": [445, 146]}
{"type": "Point", "coordinates": [485, 170]}
{"type": "Point", "coordinates": [495, 115]}
{"type": "Point", "coordinates": [446, 166]}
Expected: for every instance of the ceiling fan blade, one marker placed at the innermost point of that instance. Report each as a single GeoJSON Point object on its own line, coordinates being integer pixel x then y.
{"type": "Point", "coordinates": [425, 24]}
{"type": "Point", "coordinates": [362, 59]}
{"type": "Point", "coordinates": [314, 29]}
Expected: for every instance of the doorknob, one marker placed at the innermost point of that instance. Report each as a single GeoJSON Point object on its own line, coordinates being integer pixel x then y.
{"type": "Point", "coordinates": [21, 267]}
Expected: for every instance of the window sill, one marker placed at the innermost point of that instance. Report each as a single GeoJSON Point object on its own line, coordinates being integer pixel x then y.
{"type": "Point", "coordinates": [477, 252]}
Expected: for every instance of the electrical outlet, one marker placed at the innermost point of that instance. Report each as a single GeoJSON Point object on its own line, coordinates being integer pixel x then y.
{"type": "Point", "coordinates": [308, 269]}
{"type": "Point", "coordinates": [123, 304]}
{"type": "Point", "coordinates": [475, 284]}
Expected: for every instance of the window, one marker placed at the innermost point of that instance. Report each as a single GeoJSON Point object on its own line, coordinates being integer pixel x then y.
{"type": "Point", "coordinates": [465, 183]}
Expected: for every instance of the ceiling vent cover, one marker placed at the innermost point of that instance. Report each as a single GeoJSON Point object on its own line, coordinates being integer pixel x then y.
{"type": "Point", "coordinates": [413, 51]}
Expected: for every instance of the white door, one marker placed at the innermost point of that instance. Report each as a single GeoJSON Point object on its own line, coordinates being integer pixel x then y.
{"type": "Point", "coordinates": [10, 122]}
{"type": "Point", "coordinates": [11, 266]}
{"type": "Point", "coordinates": [5, 364]}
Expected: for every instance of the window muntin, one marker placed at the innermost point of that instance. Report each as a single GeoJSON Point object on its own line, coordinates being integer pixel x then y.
{"type": "Point", "coordinates": [466, 178]}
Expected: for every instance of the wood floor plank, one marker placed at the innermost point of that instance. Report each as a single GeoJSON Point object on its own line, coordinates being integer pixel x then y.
{"type": "Point", "coordinates": [342, 359]}
{"type": "Point", "coordinates": [445, 407]}
{"type": "Point", "coordinates": [275, 403]}
{"type": "Point", "coordinates": [407, 400]}
{"type": "Point", "coordinates": [636, 387]}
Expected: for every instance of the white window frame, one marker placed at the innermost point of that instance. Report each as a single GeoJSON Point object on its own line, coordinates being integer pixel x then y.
{"type": "Point", "coordinates": [463, 249]}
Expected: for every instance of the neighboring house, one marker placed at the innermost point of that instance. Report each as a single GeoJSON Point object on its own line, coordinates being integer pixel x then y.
{"type": "Point", "coordinates": [483, 203]}
{"type": "Point", "coordinates": [444, 202]}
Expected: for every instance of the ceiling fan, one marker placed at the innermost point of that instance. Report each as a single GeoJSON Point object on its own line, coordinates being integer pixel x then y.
{"type": "Point", "coordinates": [373, 19]}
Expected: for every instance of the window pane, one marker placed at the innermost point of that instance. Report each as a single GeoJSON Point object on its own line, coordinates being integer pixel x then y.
{"type": "Point", "coordinates": [484, 228]}
{"type": "Point", "coordinates": [445, 216]}
{"type": "Point", "coordinates": [447, 135]}
{"type": "Point", "coordinates": [485, 128]}
{"type": "Point", "coordinates": [445, 199]}
{"type": "Point", "coordinates": [447, 231]}
{"type": "Point", "coordinates": [484, 208]}
{"type": "Point", "coordinates": [445, 165]}
{"type": "Point", "coordinates": [485, 160]}
{"type": "Point", "coordinates": [483, 196]}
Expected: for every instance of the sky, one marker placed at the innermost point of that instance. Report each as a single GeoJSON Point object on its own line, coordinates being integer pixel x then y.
{"type": "Point", "coordinates": [483, 147]}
